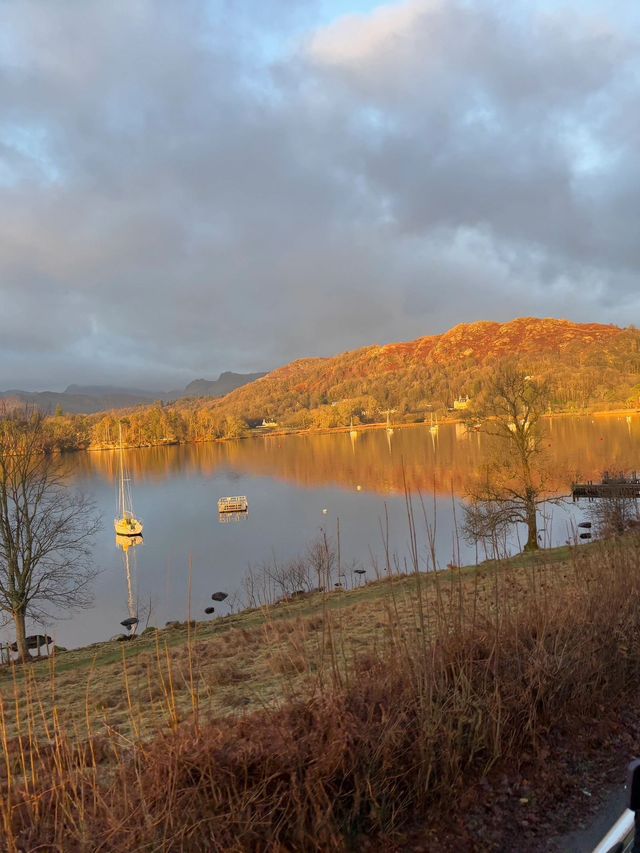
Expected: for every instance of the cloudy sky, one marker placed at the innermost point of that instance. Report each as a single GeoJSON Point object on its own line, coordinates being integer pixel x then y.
{"type": "Point", "coordinates": [198, 186]}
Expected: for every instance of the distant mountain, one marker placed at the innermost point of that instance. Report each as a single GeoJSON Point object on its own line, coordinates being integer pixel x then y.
{"type": "Point", "coordinates": [77, 402]}
{"type": "Point", "coordinates": [225, 383]}
{"type": "Point", "coordinates": [88, 399]}
{"type": "Point", "coordinates": [102, 390]}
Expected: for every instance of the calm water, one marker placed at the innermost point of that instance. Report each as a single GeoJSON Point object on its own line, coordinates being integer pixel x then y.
{"type": "Point", "coordinates": [289, 482]}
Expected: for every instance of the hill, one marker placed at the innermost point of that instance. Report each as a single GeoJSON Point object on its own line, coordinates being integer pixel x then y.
{"type": "Point", "coordinates": [586, 364]}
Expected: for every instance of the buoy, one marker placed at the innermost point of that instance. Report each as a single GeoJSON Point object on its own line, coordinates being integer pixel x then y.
{"type": "Point", "coordinates": [325, 511]}
{"type": "Point", "coordinates": [358, 488]}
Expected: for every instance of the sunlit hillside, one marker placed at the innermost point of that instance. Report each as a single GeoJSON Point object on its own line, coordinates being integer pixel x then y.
{"type": "Point", "coordinates": [587, 366]}
{"type": "Point", "coordinates": [585, 363]}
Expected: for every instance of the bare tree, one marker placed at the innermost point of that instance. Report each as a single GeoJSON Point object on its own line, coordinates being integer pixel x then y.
{"type": "Point", "coordinates": [46, 529]}
{"type": "Point", "coordinates": [322, 559]}
{"type": "Point", "coordinates": [272, 581]}
{"type": "Point", "coordinates": [614, 515]}
{"type": "Point", "coordinates": [513, 484]}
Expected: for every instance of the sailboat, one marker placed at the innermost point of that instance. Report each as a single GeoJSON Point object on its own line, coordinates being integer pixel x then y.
{"type": "Point", "coordinates": [353, 432]}
{"type": "Point", "coordinates": [125, 523]}
{"type": "Point", "coordinates": [389, 427]}
{"type": "Point", "coordinates": [433, 429]}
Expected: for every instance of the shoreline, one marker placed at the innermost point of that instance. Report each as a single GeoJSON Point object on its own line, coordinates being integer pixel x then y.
{"type": "Point", "coordinates": [177, 631]}
{"type": "Point", "coordinates": [267, 432]}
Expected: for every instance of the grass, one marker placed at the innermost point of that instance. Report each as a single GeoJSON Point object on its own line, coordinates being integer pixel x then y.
{"type": "Point", "coordinates": [308, 724]}
{"type": "Point", "coordinates": [242, 660]}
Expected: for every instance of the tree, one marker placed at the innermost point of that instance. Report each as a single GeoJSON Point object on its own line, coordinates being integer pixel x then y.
{"type": "Point", "coordinates": [512, 485]}
{"type": "Point", "coordinates": [46, 529]}
{"type": "Point", "coordinates": [234, 427]}
{"type": "Point", "coordinates": [614, 515]}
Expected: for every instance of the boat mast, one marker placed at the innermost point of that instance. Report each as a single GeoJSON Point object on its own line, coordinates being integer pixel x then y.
{"type": "Point", "coordinates": [125, 508]}
{"type": "Point", "coordinates": [121, 486]}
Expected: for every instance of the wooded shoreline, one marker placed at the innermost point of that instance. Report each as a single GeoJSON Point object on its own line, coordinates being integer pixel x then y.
{"type": "Point", "coordinates": [311, 431]}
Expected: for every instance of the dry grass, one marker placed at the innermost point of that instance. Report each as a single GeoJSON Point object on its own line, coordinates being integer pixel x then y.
{"type": "Point", "coordinates": [302, 727]}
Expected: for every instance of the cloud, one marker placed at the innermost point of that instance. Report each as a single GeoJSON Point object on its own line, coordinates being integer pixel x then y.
{"type": "Point", "coordinates": [386, 33]}
{"type": "Point", "coordinates": [190, 189]}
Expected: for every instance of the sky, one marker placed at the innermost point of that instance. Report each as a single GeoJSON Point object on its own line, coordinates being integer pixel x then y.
{"type": "Point", "coordinates": [193, 187]}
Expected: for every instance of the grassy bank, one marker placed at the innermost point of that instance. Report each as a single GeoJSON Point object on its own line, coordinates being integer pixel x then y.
{"type": "Point", "coordinates": [309, 724]}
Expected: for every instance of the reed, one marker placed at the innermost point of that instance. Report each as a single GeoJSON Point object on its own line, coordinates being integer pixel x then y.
{"type": "Point", "coordinates": [364, 716]}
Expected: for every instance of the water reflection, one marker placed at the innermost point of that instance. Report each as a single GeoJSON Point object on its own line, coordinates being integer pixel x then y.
{"type": "Point", "coordinates": [232, 517]}
{"type": "Point", "coordinates": [128, 544]}
{"type": "Point", "coordinates": [442, 459]}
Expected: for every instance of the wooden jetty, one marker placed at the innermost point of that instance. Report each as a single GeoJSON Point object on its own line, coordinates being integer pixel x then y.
{"type": "Point", "coordinates": [612, 486]}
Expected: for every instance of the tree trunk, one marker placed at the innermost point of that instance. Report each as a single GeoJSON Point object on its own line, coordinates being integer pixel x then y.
{"type": "Point", "coordinates": [532, 528]}
{"type": "Point", "coordinates": [21, 636]}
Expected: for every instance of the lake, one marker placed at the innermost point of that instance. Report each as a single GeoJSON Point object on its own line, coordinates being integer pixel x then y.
{"type": "Point", "coordinates": [290, 481]}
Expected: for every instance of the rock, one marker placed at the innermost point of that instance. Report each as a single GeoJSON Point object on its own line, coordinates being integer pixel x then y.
{"type": "Point", "coordinates": [34, 641]}
{"type": "Point", "coordinates": [148, 630]}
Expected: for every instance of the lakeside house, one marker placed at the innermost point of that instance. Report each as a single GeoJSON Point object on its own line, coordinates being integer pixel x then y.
{"type": "Point", "coordinates": [461, 403]}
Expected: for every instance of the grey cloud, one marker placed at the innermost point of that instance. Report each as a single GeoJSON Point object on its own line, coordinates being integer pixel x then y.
{"type": "Point", "coordinates": [183, 191]}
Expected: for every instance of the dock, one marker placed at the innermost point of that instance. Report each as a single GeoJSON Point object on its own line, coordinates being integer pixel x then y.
{"type": "Point", "coordinates": [612, 486]}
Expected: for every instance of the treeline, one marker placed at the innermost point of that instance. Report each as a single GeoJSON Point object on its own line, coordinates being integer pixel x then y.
{"type": "Point", "coordinates": [147, 426]}
{"type": "Point", "coordinates": [585, 366]}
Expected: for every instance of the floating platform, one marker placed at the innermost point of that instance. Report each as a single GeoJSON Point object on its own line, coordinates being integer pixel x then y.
{"type": "Point", "coordinates": [235, 504]}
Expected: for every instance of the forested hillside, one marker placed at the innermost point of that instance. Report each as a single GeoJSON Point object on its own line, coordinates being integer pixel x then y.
{"type": "Point", "coordinates": [587, 365]}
